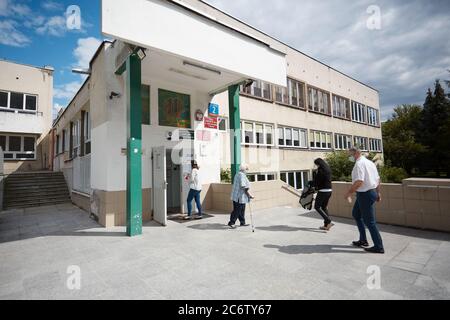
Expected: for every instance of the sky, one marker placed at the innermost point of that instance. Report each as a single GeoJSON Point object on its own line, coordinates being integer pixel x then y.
{"type": "Point", "coordinates": [398, 47]}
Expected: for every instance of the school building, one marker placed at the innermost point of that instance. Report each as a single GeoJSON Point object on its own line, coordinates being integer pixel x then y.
{"type": "Point", "coordinates": [182, 80]}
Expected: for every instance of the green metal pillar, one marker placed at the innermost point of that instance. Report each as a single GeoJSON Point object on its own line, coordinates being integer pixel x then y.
{"type": "Point", "coordinates": [235, 129]}
{"type": "Point", "coordinates": [134, 146]}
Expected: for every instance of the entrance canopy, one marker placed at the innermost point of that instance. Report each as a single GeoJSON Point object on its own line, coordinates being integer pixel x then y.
{"type": "Point", "coordinates": [184, 43]}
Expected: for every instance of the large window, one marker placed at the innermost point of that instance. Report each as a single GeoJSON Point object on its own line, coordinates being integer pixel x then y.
{"type": "Point", "coordinates": [373, 117]}
{"type": "Point", "coordinates": [17, 101]}
{"type": "Point", "coordinates": [320, 140]}
{"type": "Point", "coordinates": [375, 145]}
{"type": "Point", "coordinates": [258, 177]}
{"type": "Point", "coordinates": [293, 95]}
{"type": "Point", "coordinates": [87, 133]}
{"type": "Point", "coordinates": [361, 143]}
{"type": "Point", "coordinates": [76, 138]}
{"type": "Point", "coordinates": [318, 101]}
{"type": "Point", "coordinates": [342, 142]}
{"type": "Point", "coordinates": [292, 137]}
{"type": "Point", "coordinates": [17, 147]}
{"type": "Point", "coordinates": [341, 107]}
{"type": "Point", "coordinates": [358, 112]}
{"type": "Point", "coordinates": [257, 133]}
{"type": "Point", "coordinates": [296, 179]}
{"type": "Point", "coordinates": [258, 89]}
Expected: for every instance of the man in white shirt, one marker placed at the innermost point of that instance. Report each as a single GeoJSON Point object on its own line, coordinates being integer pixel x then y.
{"type": "Point", "coordinates": [195, 189]}
{"type": "Point", "coordinates": [366, 183]}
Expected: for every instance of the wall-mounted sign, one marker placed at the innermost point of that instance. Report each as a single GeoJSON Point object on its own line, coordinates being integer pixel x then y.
{"type": "Point", "coordinates": [213, 110]}
{"type": "Point", "coordinates": [211, 123]}
{"type": "Point", "coordinates": [199, 115]}
{"type": "Point", "coordinates": [186, 134]}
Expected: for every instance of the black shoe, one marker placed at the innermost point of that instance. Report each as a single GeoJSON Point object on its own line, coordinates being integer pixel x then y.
{"type": "Point", "coordinates": [374, 250]}
{"type": "Point", "coordinates": [232, 226]}
{"type": "Point", "coordinates": [360, 244]}
{"type": "Point", "coordinates": [245, 225]}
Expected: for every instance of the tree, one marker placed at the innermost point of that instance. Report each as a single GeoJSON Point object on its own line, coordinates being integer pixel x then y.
{"type": "Point", "coordinates": [401, 138]}
{"type": "Point", "coordinates": [434, 130]}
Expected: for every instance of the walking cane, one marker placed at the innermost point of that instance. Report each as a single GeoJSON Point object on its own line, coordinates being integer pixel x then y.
{"type": "Point", "coordinates": [251, 216]}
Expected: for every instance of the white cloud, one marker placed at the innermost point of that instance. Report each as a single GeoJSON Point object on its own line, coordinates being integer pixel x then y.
{"type": "Point", "coordinates": [11, 36]}
{"type": "Point", "coordinates": [85, 50]}
{"type": "Point", "coordinates": [52, 5]}
{"type": "Point", "coordinates": [66, 91]}
{"type": "Point", "coordinates": [54, 26]}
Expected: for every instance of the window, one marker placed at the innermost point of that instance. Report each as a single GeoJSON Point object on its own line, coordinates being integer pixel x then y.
{"type": "Point", "coordinates": [76, 138]}
{"type": "Point", "coordinates": [87, 133]}
{"type": "Point", "coordinates": [296, 179]}
{"type": "Point", "coordinates": [257, 133]}
{"type": "Point", "coordinates": [18, 147]}
{"type": "Point", "coordinates": [358, 112]}
{"type": "Point", "coordinates": [341, 107]}
{"type": "Point", "coordinates": [375, 145]}
{"type": "Point", "coordinates": [57, 145]}
{"type": "Point", "coordinates": [318, 101]}
{"type": "Point", "coordinates": [258, 89]}
{"type": "Point", "coordinates": [361, 143]}
{"type": "Point", "coordinates": [30, 103]}
{"type": "Point", "coordinates": [292, 95]}
{"type": "Point", "coordinates": [320, 140]}
{"type": "Point", "coordinates": [223, 124]}
{"type": "Point", "coordinates": [3, 143]}
{"type": "Point", "coordinates": [4, 99]}
{"type": "Point", "coordinates": [373, 117]}
{"type": "Point", "coordinates": [292, 137]}
{"type": "Point", "coordinates": [342, 142]}
{"type": "Point", "coordinates": [253, 177]}
{"type": "Point", "coordinates": [16, 101]}
{"type": "Point", "coordinates": [65, 142]}
{"type": "Point", "coordinates": [145, 97]}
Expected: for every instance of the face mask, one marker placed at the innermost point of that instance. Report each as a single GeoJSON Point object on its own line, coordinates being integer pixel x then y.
{"type": "Point", "coordinates": [352, 159]}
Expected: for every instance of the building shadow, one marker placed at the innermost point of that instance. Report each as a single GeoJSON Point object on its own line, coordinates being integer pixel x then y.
{"type": "Point", "coordinates": [284, 228]}
{"type": "Point", "coordinates": [316, 248]}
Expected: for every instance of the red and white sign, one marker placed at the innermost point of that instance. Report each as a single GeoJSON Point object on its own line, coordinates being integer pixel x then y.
{"type": "Point", "coordinates": [203, 135]}
{"type": "Point", "coordinates": [211, 123]}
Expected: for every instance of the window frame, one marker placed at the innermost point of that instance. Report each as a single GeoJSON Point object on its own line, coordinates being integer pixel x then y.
{"type": "Point", "coordinates": [24, 102]}
{"type": "Point", "coordinates": [264, 134]}
{"type": "Point", "coordinates": [375, 145]}
{"type": "Point", "coordinates": [314, 95]}
{"type": "Point", "coordinates": [342, 139]}
{"type": "Point", "coordinates": [363, 146]}
{"type": "Point", "coordinates": [303, 183]}
{"type": "Point", "coordinates": [286, 94]}
{"type": "Point", "coordinates": [250, 90]}
{"type": "Point", "coordinates": [22, 148]}
{"type": "Point", "coordinates": [373, 114]}
{"type": "Point", "coordinates": [313, 134]}
{"type": "Point", "coordinates": [348, 111]}
{"type": "Point", "coordinates": [292, 129]}
{"type": "Point", "coordinates": [359, 110]}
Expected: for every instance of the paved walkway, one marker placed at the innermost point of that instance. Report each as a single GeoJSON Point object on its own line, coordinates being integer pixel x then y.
{"type": "Point", "coordinates": [286, 258]}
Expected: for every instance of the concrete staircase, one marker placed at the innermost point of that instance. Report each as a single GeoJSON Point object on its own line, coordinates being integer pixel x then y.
{"type": "Point", "coordinates": [33, 189]}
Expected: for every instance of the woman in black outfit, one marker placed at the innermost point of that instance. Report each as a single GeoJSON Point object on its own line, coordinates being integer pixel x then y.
{"type": "Point", "coordinates": [322, 183]}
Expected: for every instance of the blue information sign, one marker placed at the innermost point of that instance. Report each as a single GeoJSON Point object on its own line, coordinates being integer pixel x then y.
{"type": "Point", "coordinates": [213, 110]}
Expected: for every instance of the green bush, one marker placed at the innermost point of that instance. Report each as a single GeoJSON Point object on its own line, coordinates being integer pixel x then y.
{"type": "Point", "coordinates": [392, 174]}
{"type": "Point", "coordinates": [225, 175]}
{"type": "Point", "coordinates": [341, 166]}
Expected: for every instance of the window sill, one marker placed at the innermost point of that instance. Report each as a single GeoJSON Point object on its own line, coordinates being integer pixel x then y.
{"type": "Point", "coordinates": [321, 113]}
{"type": "Point", "coordinates": [289, 106]}
{"type": "Point", "coordinates": [22, 159]}
{"type": "Point", "coordinates": [293, 148]}
{"type": "Point", "coordinates": [322, 149]}
{"type": "Point", "coordinates": [374, 126]}
{"type": "Point", "coordinates": [359, 122]}
{"type": "Point", "coordinates": [255, 97]}
{"type": "Point", "coordinates": [342, 118]}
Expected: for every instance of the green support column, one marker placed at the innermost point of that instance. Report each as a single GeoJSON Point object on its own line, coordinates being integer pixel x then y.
{"type": "Point", "coordinates": [235, 129]}
{"type": "Point", "coordinates": [134, 146]}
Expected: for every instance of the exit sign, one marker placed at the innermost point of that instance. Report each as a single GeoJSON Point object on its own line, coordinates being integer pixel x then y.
{"type": "Point", "coordinates": [213, 110]}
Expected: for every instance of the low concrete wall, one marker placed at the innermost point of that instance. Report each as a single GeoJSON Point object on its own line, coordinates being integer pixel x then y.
{"type": "Point", "coordinates": [418, 203]}
{"type": "Point", "coordinates": [267, 195]}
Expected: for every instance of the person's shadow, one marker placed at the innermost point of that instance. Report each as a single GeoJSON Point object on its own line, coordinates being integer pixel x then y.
{"type": "Point", "coordinates": [284, 228]}
{"type": "Point", "coordinates": [315, 248]}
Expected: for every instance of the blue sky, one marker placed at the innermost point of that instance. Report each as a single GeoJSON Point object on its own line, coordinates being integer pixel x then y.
{"type": "Point", "coordinates": [401, 59]}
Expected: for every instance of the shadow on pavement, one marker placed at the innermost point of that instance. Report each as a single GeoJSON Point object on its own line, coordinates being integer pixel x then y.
{"type": "Point", "coordinates": [315, 248]}
{"type": "Point", "coordinates": [289, 229]}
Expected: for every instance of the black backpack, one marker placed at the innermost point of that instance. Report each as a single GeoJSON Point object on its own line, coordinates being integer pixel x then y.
{"type": "Point", "coordinates": [307, 197]}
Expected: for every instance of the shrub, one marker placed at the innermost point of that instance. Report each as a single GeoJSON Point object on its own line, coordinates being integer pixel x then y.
{"type": "Point", "coordinates": [341, 166]}
{"type": "Point", "coordinates": [392, 174]}
{"type": "Point", "coordinates": [225, 175]}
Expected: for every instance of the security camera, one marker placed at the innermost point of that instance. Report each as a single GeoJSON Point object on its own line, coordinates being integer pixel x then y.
{"type": "Point", "coordinates": [248, 83]}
